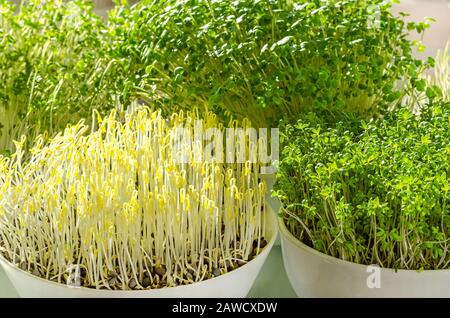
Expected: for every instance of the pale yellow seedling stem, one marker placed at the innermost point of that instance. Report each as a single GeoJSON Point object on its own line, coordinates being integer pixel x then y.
{"type": "Point", "coordinates": [115, 202]}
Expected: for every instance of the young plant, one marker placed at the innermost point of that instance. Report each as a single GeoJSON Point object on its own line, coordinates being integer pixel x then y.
{"type": "Point", "coordinates": [432, 84]}
{"type": "Point", "coordinates": [130, 205]}
{"type": "Point", "coordinates": [268, 60]}
{"type": "Point", "coordinates": [440, 78]}
{"type": "Point", "coordinates": [55, 68]}
{"type": "Point", "coordinates": [372, 193]}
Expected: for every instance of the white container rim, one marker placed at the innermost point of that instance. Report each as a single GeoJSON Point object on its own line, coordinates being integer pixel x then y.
{"type": "Point", "coordinates": [269, 245]}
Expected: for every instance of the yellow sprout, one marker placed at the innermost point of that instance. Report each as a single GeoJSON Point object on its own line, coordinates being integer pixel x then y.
{"type": "Point", "coordinates": [116, 202]}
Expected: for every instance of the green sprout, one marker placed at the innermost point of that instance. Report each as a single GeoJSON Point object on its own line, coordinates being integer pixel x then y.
{"type": "Point", "coordinates": [55, 68]}
{"type": "Point", "coordinates": [372, 193]}
{"type": "Point", "coordinates": [268, 60]}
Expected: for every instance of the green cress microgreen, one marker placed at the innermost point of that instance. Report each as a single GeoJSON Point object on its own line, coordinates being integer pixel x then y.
{"type": "Point", "coordinates": [372, 193]}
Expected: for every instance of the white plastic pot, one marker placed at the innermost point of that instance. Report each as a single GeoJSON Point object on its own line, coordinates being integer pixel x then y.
{"type": "Point", "coordinates": [235, 284]}
{"type": "Point", "coordinates": [272, 202]}
{"type": "Point", "coordinates": [314, 274]}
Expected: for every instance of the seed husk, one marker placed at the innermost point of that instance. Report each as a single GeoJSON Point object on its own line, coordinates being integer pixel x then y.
{"type": "Point", "coordinates": [146, 282]}
{"type": "Point", "coordinates": [216, 272]}
{"type": "Point", "coordinates": [132, 283]}
{"type": "Point", "coordinates": [160, 271]}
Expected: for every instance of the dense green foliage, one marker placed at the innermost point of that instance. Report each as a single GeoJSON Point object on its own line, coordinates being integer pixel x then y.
{"type": "Point", "coordinates": [269, 59]}
{"type": "Point", "coordinates": [364, 191]}
{"type": "Point", "coordinates": [265, 60]}
{"type": "Point", "coordinates": [48, 54]}
{"type": "Point", "coordinates": [375, 192]}
{"type": "Point", "coordinates": [56, 66]}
